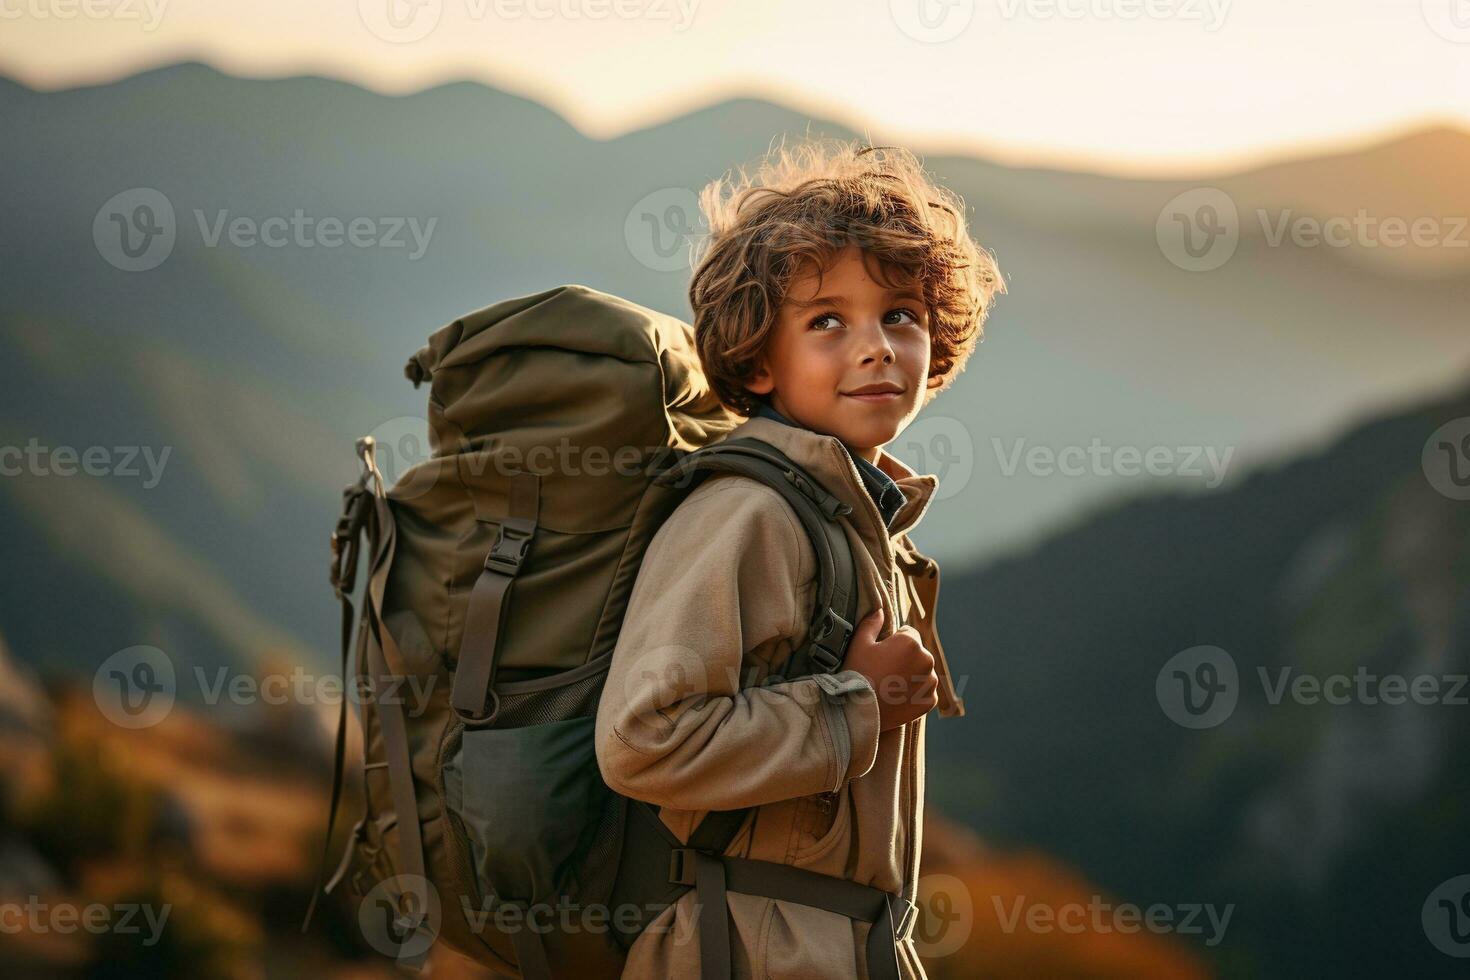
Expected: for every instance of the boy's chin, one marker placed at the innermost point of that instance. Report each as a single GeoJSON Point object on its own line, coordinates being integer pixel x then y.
{"type": "Point", "coordinates": [861, 437]}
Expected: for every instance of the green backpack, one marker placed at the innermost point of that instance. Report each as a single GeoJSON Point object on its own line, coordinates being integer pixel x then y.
{"type": "Point", "coordinates": [497, 580]}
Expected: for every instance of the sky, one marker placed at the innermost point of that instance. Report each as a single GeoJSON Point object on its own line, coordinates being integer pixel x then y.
{"type": "Point", "coordinates": [1141, 87]}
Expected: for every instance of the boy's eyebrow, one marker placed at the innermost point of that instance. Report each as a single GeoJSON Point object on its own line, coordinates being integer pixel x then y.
{"type": "Point", "coordinates": [900, 292]}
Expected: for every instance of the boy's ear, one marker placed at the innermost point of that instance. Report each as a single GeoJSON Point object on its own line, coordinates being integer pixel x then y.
{"type": "Point", "coordinates": [761, 382]}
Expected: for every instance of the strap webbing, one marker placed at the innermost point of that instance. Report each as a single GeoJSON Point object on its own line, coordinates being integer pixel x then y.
{"type": "Point", "coordinates": [387, 705]}
{"type": "Point", "coordinates": [339, 758]}
{"type": "Point", "coordinates": [345, 552]}
{"type": "Point", "coordinates": [530, 952]}
{"type": "Point", "coordinates": [718, 829]}
{"type": "Point", "coordinates": [714, 922]}
{"type": "Point", "coordinates": [713, 876]}
{"type": "Point", "coordinates": [474, 675]}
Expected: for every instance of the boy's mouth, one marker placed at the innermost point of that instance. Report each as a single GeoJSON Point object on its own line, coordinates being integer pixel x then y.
{"type": "Point", "coordinates": [883, 391]}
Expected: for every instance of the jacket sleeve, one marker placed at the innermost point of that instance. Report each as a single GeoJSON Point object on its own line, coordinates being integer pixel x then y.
{"type": "Point", "coordinates": [729, 570]}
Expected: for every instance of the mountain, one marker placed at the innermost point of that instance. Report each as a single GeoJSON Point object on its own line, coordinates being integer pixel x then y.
{"type": "Point", "coordinates": [217, 395]}
{"type": "Point", "coordinates": [259, 364]}
{"type": "Point", "coordinates": [1328, 818]}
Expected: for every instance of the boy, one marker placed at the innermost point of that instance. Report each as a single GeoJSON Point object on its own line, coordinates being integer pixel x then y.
{"type": "Point", "coordinates": [839, 292]}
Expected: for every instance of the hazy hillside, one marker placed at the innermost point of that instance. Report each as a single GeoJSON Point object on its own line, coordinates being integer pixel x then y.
{"type": "Point", "coordinates": [1328, 824]}
{"type": "Point", "coordinates": [224, 388]}
{"type": "Point", "coordinates": [222, 827]}
{"type": "Point", "coordinates": [259, 364]}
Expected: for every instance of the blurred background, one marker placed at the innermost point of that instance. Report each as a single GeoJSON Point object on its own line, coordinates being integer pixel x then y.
{"type": "Point", "coordinates": [1205, 506]}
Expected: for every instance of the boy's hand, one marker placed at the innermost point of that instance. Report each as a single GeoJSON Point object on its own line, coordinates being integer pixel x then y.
{"type": "Point", "coordinates": [899, 668]}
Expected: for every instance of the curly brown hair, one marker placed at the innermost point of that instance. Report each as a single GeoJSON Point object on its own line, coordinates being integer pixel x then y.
{"type": "Point", "coordinates": [802, 206]}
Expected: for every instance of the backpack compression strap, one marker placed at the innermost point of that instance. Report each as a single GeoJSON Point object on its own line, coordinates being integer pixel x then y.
{"type": "Point", "coordinates": [366, 511]}
{"type": "Point", "coordinates": [474, 673]}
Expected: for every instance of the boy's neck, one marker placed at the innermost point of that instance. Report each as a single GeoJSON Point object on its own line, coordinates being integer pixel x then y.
{"type": "Point", "coordinates": [868, 455]}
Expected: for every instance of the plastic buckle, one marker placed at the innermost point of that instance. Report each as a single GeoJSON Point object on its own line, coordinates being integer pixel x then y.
{"type": "Point", "coordinates": [681, 866]}
{"type": "Point", "coordinates": [512, 544]}
{"type": "Point", "coordinates": [344, 547]}
{"type": "Point", "coordinates": [826, 655]}
{"type": "Point", "coordinates": [825, 659]}
{"type": "Point", "coordinates": [906, 921]}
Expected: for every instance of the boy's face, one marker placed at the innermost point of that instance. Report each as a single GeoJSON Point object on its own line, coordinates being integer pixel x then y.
{"type": "Point", "coordinates": [841, 332]}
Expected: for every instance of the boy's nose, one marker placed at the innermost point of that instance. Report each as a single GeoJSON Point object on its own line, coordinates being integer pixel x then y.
{"type": "Point", "coordinates": [876, 345]}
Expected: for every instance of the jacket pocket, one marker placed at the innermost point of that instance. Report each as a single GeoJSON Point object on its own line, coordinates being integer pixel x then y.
{"type": "Point", "coordinates": [821, 821]}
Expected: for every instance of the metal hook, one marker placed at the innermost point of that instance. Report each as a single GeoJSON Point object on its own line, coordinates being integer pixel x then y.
{"type": "Point", "coordinates": [367, 452]}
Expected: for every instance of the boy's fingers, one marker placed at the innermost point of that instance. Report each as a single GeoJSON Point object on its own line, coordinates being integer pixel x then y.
{"type": "Point", "coordinates": [870, 625]}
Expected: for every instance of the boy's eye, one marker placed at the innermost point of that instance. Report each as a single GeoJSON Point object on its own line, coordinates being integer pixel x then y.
{"type": "Point", "coordinates": [819, 320]}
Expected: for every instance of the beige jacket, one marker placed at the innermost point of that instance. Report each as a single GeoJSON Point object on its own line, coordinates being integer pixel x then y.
{"type": "Point", "coordinates": [689, 720]}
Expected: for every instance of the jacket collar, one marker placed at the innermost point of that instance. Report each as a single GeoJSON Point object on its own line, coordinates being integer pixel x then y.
{"type": "Point", "coordinates": [880, 486]}
{"type": "Point", "coordinates": [827, 459]}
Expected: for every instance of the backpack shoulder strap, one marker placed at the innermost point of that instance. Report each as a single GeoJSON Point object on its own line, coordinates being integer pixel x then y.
{"type": "Point", "coordinates": [819, 511]}
{"type": "Point", "coordinates": [836, 599]}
